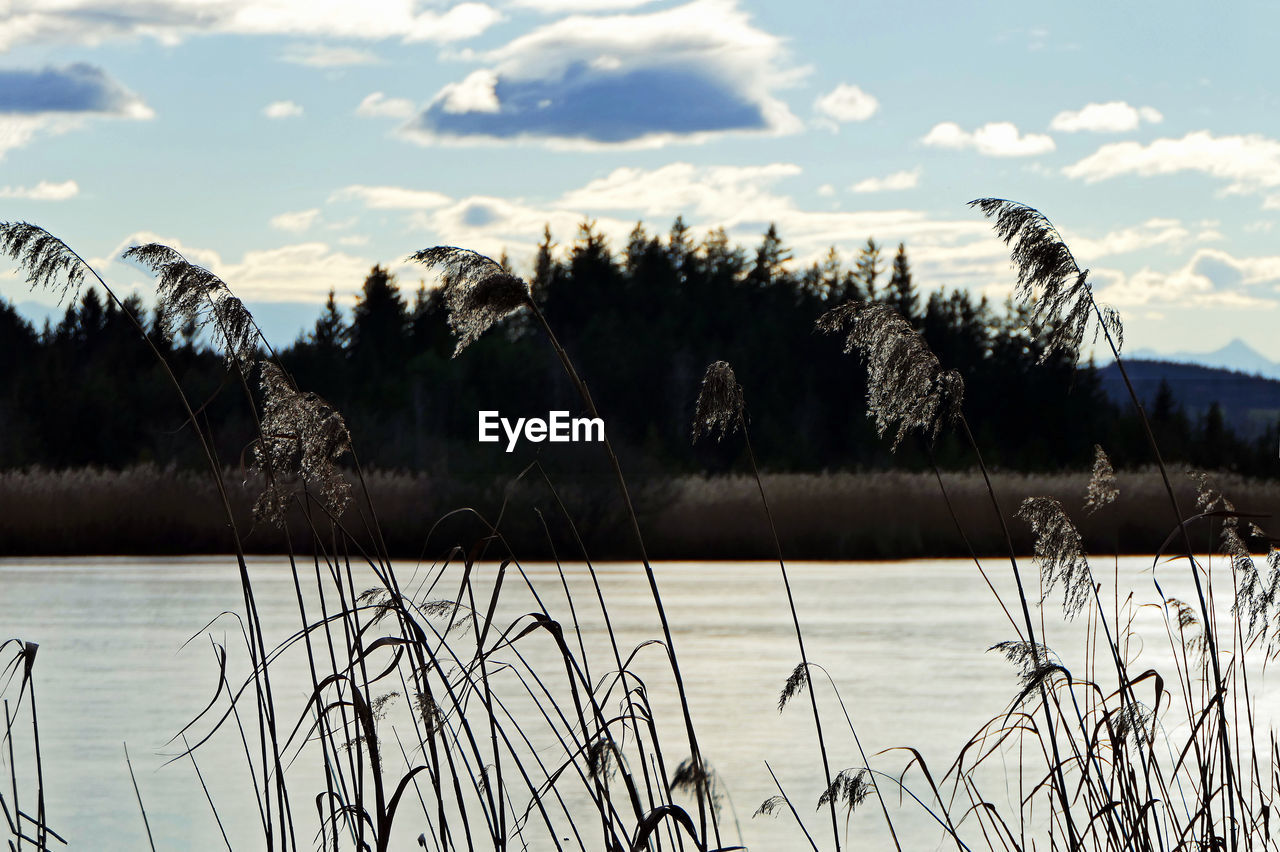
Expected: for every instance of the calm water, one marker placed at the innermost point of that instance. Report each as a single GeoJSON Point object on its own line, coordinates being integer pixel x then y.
{"type": "Point", "coordinates": [906, 643]}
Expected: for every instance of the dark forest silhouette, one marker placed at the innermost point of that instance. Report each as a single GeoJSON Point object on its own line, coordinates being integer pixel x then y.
{"type": "Point", "coordinates": [642, 323]}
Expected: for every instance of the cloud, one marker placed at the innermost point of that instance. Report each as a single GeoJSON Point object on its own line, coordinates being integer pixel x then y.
{"type": "Point", "coordinates": [996, 139]}
{"type": "Point", "coordinates": [1167, 233]}
{"type": "Point", "coordinates": [1251, 163]}
{"type": "Point", "coordinates": [55, 100]}
{"type": "Point", "coordinates": [391, 197]}
{"type": "Point", "coordinates": [94, 21]}
{"type": "Point", "coordinates": [1211, 278]}
{"type": "Point", "coordinates": [76, 88]}
{"type": "Point", "coordinates": [741, 199]}
{"type": "Point", "coordinates": [378, 105]}
{"type": "Point", "coordinates": [302, 272]}
{"type": "Point", "coordinates": [42, 191]}
{"type": "Point", "coordinates": [296, 221]}
{"type": "Point", "coordinates": [714, 191]}
{"type": "Point", "coordinates": [560, 7]}
{"type": "Point", "coordinates": [1111, 117]}
{"type": "Point", "coordinates": [328, 56]}
{"type": "Point", "coordinates": [643, 80]}
{"type": "Point", "coordinates": [895, 181]}
{"type": "Point", "coordinates": [846, 103]}
{"type": "Point", "coordinates": [282, 109]}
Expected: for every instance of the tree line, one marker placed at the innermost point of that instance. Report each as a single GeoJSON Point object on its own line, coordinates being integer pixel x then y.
{"type": "Point", "coordinates": [641, 323]}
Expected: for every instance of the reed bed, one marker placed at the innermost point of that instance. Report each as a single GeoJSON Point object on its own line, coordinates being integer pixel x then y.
{"type": "Point", "coordinates": [433, 717]}
{"type": "Point", "coordinates": [155, 510]}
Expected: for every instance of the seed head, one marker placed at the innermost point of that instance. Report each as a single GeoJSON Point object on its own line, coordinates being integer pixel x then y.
{"type": "Point", "coordinates": [1049, 278]}
{"type": "Point", "coordinates": [906, 384]}
{"type": "Point", "coordinates": [1058, 551]}
{"type": "Point", "coordinates": [302, 439]}
{"type": "Point", "coordinates": [47, 260]}
{"type": "Point", "coordinates": [720, 406]}
{"type": "Point", "coordinates": [477, 291]}
{"type": "Point", "coordinates": [1102, 484]}
{"type": "Point", "coordinates": [192, 295]}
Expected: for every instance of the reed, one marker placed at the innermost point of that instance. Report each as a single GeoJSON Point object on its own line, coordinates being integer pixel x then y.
{"type": "Point", "coordinates": [435, 717]}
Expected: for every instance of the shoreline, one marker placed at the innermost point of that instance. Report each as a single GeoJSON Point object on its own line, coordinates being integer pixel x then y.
{"type": "Point", "coordinates": [866, 516]}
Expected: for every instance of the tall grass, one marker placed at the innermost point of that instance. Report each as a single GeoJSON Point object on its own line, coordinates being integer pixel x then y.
{"type": "Point", "coordinates": [154, 510]}
{"type": "Point", "coordinates": [432, 718]}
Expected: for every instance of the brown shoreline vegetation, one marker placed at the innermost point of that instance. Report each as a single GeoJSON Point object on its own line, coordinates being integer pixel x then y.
{"type": "Point", "coordinates": [148, 510]}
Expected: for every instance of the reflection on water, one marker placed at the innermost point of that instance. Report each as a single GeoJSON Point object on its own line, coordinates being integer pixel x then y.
{"type": "Point", "coordinates": [906, 644]}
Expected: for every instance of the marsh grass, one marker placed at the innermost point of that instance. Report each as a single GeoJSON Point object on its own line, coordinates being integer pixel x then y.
{"type": "Point", "coordinates": [155, 510]}
{"type": "Point", "coordinates": [432, 715]}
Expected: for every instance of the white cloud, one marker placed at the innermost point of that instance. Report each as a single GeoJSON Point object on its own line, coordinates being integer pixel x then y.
{"type": "Point", "coordinates": [996, 139]}
{"type": "Point", "coordinates": [1109, 117]}
{"type": "Point", "coordinates": [826, 190]}
{"type": "Point", "coordinates": [846, 103]}
{"type": "Point", "coordinates": [1251, 163]}
{"type": "Point", "coordinates": [685, 73]}
{"type": "Point", "coordinates": [895, 181]}
{"type": "Point", "coordinates": [42, 191]}
{"type": "Point", "coordinates": [296, 221]}
{"type": "Point", "coordinates": [478, 92]}
{"type": "Point", "coordinates": [328, 56]}
{"type": "Point", "coordinates": [391, 197]}
{"type": "Point", "coordinates": [1167, 233]}
{"type": "Point", "coordinates": [303, 272]}
{"type": "Point", "coordinates": [282, 109]}
{"type": "Point", "coordinates": [560, 7]}
{"type": "Point", "coordinates": [54, 100]}
{"type": "Point", "coordinates": [1211, 278]}
{"type": "Point", "coordinates": [714, 191]}
{"type": "Point", "coordinates": [169, 21]}
{"type": "Point", "coordinates": [378, 105]}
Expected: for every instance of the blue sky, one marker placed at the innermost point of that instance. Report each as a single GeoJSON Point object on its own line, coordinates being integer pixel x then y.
{"type": "Point", "coordinates": [291, 144]}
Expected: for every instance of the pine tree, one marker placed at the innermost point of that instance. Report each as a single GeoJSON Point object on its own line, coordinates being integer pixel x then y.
{"type": "Point", "coordinates": [379, 324]}
{"type": "Point", "coordinates": [902, 293]}
{"type": "Point", "coordinates": [330, 331]}
{"type": "Point", "coordinates": [770, 259]}
{"type": "Point", "coordinates": [868, 268]}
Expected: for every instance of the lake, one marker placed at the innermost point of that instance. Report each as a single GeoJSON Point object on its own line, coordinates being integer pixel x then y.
{"type": "Point", "coordinates": [906, 643]}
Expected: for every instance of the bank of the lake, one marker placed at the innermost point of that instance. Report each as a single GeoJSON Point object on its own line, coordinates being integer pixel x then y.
{"type": "Point", "coordinates": [148, 510]}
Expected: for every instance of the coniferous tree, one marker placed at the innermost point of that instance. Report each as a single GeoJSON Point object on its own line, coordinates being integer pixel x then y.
{"type": "Point", "coordinates": [902, 293]}
{"type": "Point", "coordinates": [868, 268]}
{"type": "Point", "coordinates": [771, 257]}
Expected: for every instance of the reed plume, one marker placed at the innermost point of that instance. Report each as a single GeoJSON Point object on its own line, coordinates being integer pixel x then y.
{"type": "Point", "coordinates": [1049, 278]}
{"type": "Point", "coordinates": [192, 295]}
{"type": "Point", "coordinates": [477, 291]}
{"type": "Point", "coordinates": [906, 384]}
{"type": "Point", "coordinates": [849, 788]}
{"type": "Point", "coordinates": [1059, 552]}
{"type": "Point", "coordinates": [721, 408]}
{"type": "Point", "coordinates": [48, 261]}
{"type": "Point", "coordinates": [1103, 490]}
{"type": "Point", "coordinates": [303, 437]}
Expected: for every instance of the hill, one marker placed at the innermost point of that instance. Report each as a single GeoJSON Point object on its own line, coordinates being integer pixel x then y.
{"type": "Point", "coordinates": [1250, 403]}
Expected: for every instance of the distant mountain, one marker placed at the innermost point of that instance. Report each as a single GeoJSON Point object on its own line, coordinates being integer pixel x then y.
{"type": "Point", "coordinates": [1250, 402]}
{"type": "Point", "coordinates": [1236, 355]}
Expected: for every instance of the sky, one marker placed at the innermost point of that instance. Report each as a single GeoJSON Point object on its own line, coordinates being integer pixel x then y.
{"type": "Point", "coordinates": [289, 145]}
